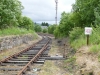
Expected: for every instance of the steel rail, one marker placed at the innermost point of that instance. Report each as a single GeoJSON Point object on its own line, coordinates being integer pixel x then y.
{"type": "Point", "coordinates": [16, 54]}
{"type": "Point", "coordinates": [34, 59]}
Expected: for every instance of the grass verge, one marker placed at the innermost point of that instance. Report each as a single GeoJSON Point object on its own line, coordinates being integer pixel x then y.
{"type": "Point", "coordinates": [15, 31]}
{"type": "Point", "coordinates": [95, 48]}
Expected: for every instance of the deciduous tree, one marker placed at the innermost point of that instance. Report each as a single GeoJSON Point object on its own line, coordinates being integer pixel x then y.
{"type": "Point", "coordinates": [10, 11]}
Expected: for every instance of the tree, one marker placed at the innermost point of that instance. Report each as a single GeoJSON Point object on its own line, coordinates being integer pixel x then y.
{"type": "Point", "coordinates": [37, 28]}
{"type": "Point", "coordinates": [44, 24]}
{"type": "Point", "coordinates": [66, 25]}
{"type": "Point", "coordinates": [45, 31]}
{"type": "Point", "coordinates": [85, 10]}
{"type": "Point", "coordinates": [27, 23]}
{"type": "Point", "coordinates": [57, 32]}
{"type": "Point", "coordinates": [51, 29]}
{"type": "Point", "coordinates": [10, 12]}
{"type": "Point", "coordinates": [97, 15]}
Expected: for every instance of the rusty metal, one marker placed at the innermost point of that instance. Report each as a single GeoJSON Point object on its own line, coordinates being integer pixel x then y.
{"type": "Point", "coordinates": [12, 60]}
{"type": "Point", "coordinates": [16, 54]}
{"type": "Point", "coordinates": [34, 59]}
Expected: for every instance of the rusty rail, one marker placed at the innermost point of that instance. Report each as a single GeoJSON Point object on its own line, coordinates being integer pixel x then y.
{"type": "Point", "coordinates": [34, 58]}
{"type": "Point", "coordinates": [16, 54]}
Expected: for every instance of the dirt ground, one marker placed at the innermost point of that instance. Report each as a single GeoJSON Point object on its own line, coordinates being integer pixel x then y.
{"type": "Point", "coordinates": [51, 67]}
{"type": "Point", "coordinates": [84, 63]}
{"type": "Point", "coordinates": [88, 62]}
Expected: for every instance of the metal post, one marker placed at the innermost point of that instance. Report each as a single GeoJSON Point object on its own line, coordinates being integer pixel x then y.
{"type": "Point", "coordinates": [87, 40]}
{"type": "Point", "coordinates": [64, 55]}
{"type": "Point", "coordinates": [56, 1]}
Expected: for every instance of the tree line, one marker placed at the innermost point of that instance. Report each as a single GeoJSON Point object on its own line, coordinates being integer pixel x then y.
{"type": "Point", "coordinates": [11, 15]}
{"type": "Point", "coordinates": [85, 13]}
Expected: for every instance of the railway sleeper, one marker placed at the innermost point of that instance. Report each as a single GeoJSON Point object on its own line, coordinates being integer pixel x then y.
{"type": "Point", "coordinates": [23, 62]}
{"type": "Point", "coordinates": [6, 64]}
{"type": "Point", "coordinates": [32, 51]}
{"type": "Point", "coordinates": [39, 45]}
{"type": "Point", "coordinates": [30, 56]}
{"type": "Point", "coordinates": [26, 59]}
{"type": "Point", "coordinates": [52, 58]}
{"type": "Point", "coordinates": [36, 48]}
{"type": "Point", "coordinates": [35, 52]}
{"type": "Point", "coordinates": [10, 69]}
{"type": "Point", "coordinates": [8, 73]}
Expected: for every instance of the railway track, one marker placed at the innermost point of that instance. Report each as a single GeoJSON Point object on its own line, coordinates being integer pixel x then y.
{"type": "Point", "coordinates": [19, 63]}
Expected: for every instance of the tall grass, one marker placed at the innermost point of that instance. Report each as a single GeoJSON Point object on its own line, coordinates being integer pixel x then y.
{"type": "Point", "coordinates": [95, 48]}
{"type": "Point", "coordinates": [78, 39]}
{"type": "Point", "coordinates": [15, 31]}
{"type": "Point", "coordinates": [78, 43]}
{"type": "Point", "coordinates": [95, 36]}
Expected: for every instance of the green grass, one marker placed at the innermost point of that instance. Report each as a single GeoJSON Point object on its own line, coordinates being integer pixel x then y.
{"type": "Point", "coordinates": [15, 31]}
{"type": "Point", "coordinates": [78, 43]}
{"type": "Point", "coordinates": [78, 38]}
{"type": "Point", "coordinates": [95, 48]}
{"type": "Point", "coordinates": [71, 59]}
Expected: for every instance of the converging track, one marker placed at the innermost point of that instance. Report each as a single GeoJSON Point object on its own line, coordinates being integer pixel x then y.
{"type": "Point", "coordinates": [19, 63]}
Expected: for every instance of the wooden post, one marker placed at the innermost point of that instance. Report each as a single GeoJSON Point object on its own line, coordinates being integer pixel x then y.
{"type": "Point", "coordinates": [87, 40]}
{"type": "Point", "coordinates": [64, 55]}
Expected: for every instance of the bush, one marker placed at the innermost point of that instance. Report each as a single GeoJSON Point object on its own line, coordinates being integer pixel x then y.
{"type": "Point", "coordinates": [37, 28]}
{"type": "Point", "coordinates": [78, 43]}
{"type": "Point", "coordinates": [51, 29]}
{"type": "Point", "coordinates": [95, 48]}
{"type": "Point", "coordinates": [45, 31]}
{"type": "Point", "coordinates": [95, 36]}
{"type": "Point", "coordinates": [76, 33]}
{"type": "Point", "coordinates": [77, 38]}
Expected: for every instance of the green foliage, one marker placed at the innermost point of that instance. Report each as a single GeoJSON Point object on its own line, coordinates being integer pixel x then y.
{"type": "Point", "coordinates": [10, 11]}
{"type": "Point", "coordinates": [65, 25]}
{"type": "Point", "coordinates": [51, 29]}
{"type": "Point", "coordinates": [87, 11]}
{"type": "Point", "coordinates": [84, 13]}
{"type": "Point", "coordinates": [71, 59]}
{"type": "Point", "coordinates": [77, 37]}
{"type": "Point", "coordinates": [95, 48]}
{"type": "Point", "coordinates": [97, 16]}
{"type": "Point", "coordinates": [37, 28]}
{"type": "Point", "coordinates": [14, 31]}
{"type": "Point", "coordinates": [76, 33]}
{"type": "Point", "coordinates": [44, 24]}
{"type": "Point", "coordinates": [78, 43]}
{"type": "Point", "coordinates": [57, 32]}
{"type": "Point", "coordinates": [45, 31]}
{"type": "Point", "coordinates": [26, 23]}
{"type": "Point", "coordinates": [95, 37]}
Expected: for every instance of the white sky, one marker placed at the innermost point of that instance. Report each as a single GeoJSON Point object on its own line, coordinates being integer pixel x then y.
{"type": "Point", "coordinates": [44, 10]}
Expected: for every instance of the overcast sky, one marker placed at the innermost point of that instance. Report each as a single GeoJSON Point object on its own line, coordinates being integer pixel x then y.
{"type": "Point", "coordinates": [44, 10]}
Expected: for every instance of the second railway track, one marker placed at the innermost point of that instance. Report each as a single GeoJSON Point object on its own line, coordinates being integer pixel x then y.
{"type": "Point", "coordinates": [19, 63]}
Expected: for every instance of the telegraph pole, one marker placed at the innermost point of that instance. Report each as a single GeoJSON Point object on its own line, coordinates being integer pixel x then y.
{"type": "Point", "coordinates": [56, 1]}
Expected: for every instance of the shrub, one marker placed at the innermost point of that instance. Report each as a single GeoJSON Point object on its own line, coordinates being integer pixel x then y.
{"type": "Point", "coordinates": [76, 33]}
{"type": "Point", "coordinates": [95, 36]}
{"type": "Point", "coordinates": [95, 48]}
{"type": "Point", "coordinates": [78, 43]}
{"type": "Point", "coordinates": [45, 31]}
